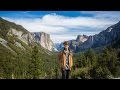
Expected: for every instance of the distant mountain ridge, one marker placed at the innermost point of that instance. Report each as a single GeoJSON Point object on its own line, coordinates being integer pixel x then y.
{"type": "Point", "coordinates": [22, 38]}
{"type": "Point", "coordinates": [106, 37]}
{"type": "Point", "coordinates": [14, 31]}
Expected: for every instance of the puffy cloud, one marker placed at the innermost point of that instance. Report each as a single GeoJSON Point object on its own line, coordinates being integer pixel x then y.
{"type": "Point", "coordinates": [64, 27]}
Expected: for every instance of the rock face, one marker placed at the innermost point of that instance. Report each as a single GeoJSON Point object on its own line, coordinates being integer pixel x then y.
{"type": "Point", "coordinates": [44, 40]}
{"type": "Point", "coordinates": [9, 29]}
{"type": "Point", "coordinates": [79, 40]}
{"type": "Point", "coordinates": [104, 38]}
{"type": "Point", "coordinates": [107, 37]}
{"type": "Point", "coordinates": [27, 38]}
{"type": "Point", "coordinates": [73, 43]}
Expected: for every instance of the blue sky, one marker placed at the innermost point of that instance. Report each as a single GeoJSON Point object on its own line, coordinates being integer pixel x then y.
{"type": "Point", "coordinates": [36, 14]}
{"type": "Point", "coordinates": [63, 25]}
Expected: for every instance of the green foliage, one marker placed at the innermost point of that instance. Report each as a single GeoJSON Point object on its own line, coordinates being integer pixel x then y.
{"type": "Point", "coordinates": [35, 63]}
{"type": "Point", "coordinates": [103, 65]}
{"type": "Point", "coordinates": [28, 64]}
{"type": "Point", "coordinates": [91, 57]}
{"type": "Point", "coordinates": [99, 72]}
{"type": "Point", "coordinates": [82, 73]}
{"type": "Point", "coordinates": [39, 63]}
{"type": "Point", "coordinates": [81, 62]}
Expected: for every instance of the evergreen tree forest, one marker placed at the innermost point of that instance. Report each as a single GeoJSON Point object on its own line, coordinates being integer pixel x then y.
{"type": "Point", "coordinates": [38, 65]}
{"type": "Point", "coordinates": [97, 65]}
{"type": "Point", "coordinates": [34, 64]}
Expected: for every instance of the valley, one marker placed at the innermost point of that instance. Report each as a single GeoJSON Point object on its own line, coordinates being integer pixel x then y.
{"type": "Point", "coordinates": [33, 55]}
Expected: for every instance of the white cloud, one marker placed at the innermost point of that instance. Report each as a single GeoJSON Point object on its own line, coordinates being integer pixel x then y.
{"type": "Point", "coordinates": [61, 38]}
{"type": "Point", "coordinates": [57, 20]}
{"type": "Point", "coordinates": [37, 25]}
{"type": "Point", "coordinates": [60, 26]}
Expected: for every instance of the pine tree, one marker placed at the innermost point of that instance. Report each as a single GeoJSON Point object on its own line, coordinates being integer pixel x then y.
{"type": "Point", "coordinates": [91, 57]}
{"type": "Point", "coordinates": [82, 61]}
{"type": "Point", "coordinates": [35, 62]}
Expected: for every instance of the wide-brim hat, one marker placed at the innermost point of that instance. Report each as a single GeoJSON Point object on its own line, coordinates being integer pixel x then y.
{"type": "Point", "coordinates": [66, 43]}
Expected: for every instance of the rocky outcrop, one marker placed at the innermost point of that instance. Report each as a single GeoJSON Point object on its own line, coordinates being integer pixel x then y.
{"type": "Point", "coordinates": [19, 45]}
{"type": "Point", "coordinates": [107, 37]}
{"type": "Point", "coordinates": [104, 38]}
{"type": "Point", "coordinates": [79, 40]}
{"type": "Point", "coordinates": [17, 31]}
{"type": "Point", "coordinates": [4, 43]}
{"type": "Point", "coordinates": [44, 40]}
{"type": "Point", "coordinates": [73, 43]}
{"type": "Point", "coordinates": [27, 38]}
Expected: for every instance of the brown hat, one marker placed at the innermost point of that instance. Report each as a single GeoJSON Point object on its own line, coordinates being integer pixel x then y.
{"type": "Point", "coordinates": [66, 43]}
